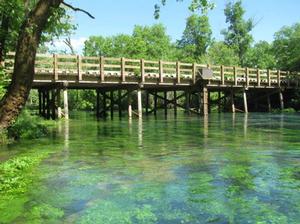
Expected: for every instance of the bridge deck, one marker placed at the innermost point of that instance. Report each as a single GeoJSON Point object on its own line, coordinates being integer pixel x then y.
{"type": "Point", "coordinates": [97, 72]}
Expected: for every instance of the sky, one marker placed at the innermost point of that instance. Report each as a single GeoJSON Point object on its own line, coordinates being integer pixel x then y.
{"type": "Point", "coordinates": [120, 16]}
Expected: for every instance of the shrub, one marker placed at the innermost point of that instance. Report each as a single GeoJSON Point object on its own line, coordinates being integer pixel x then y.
{"type": "Point", "coordinates": [27, 127]}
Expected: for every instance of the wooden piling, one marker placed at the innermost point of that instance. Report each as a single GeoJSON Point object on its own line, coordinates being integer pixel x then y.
{"type": "Point", "coordinates": [175, 102]}
{"type": "Point", "coordinates": [269, 103]}
{"type": "Point", "coordinates": [58, 101]}
{"type": "Point", "coordinates": [120, 102]}
{"type": "Point", "coordinates": [166, 102]}
{"type": "Point", "coordinates": [112, 104]}
{"type": "Point", "coordinates": [205, 101]}
{"type": "Point", "coordinates": [140, 106]}
{"type": "Point", "coordinates": [129, 96]}
{"type": "Point", "coordinates": [66, 104]}
{"type": "Point", "coordinates": [155, 103]}
{"type": "Point", "coordinates": [245, 101]}
{"type": "Point", "coordinates": [232, 101]}
{"type": "Point", "coordinates": [281, 100]}
{"type": "Point", "coordinates": [98, 103]}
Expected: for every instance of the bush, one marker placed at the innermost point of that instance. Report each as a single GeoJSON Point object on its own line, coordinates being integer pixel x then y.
{"type": "Point", "coordinates": [28, 127]}
{"type": "Point", "coordinates": [3, 137]}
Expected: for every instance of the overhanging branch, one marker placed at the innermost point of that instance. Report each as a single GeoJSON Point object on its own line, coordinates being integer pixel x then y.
{"type": "Point", "coordinates": [78, 10]}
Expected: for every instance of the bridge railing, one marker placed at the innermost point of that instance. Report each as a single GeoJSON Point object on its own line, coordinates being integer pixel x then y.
{"type": "Point", "coordinates": [76, 67]}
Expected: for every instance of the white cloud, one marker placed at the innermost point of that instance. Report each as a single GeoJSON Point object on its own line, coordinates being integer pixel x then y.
{"type": "Point", "coordinates": [77, 43]}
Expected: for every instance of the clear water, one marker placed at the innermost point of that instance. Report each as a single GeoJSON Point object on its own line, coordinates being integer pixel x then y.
{"type": "Point", "coordinates": [227, 169]}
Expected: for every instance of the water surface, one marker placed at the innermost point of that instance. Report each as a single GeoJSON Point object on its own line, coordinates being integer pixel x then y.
{"type": "Point", "coordinates": [226, 169]}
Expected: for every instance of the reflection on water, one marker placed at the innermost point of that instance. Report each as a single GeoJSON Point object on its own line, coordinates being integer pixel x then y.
{"type": "Point", "coordinates": [222, 168]}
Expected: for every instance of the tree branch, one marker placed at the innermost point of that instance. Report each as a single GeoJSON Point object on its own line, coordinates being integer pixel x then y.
{"type": "Point", "coordinates": [78, 9]}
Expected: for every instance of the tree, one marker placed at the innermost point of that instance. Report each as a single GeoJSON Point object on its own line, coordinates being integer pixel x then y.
{"type": "Point", "coordinates": [286, 47]}
{"type": "Point", "coordinates": [59, 23]}
{"type": "Point", "coordinates": [149, 42]}
{"type": "Point", "coordinates": [196, 38]}
{"type": "Point", "coordinates": [260, 56]}
{"type": "Point", "coordinates": [221, 54]}
{"type": "Point", "coordinates": [238, 34]}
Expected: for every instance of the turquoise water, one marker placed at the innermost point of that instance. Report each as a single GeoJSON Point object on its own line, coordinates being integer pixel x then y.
{"type": "Point", "coordinates": [224, 169]}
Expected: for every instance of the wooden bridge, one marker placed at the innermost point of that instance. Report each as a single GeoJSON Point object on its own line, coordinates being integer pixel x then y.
{"type": "Point", "coordinates": [54, 73]}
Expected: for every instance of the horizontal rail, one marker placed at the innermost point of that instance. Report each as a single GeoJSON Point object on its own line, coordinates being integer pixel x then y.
{"type": "Point", "coordinates": [55, 68]}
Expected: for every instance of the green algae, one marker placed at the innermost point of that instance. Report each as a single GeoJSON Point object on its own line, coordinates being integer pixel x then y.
{"type": "Point", "coordinates": [224, 170]}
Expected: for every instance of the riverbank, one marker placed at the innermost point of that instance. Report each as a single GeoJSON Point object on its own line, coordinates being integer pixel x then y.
{"type": "Point", "coordinates": [27, 126]}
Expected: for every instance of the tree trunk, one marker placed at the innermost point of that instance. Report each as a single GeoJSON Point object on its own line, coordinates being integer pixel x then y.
{"type": "Point", "coordinates": [22, 78]}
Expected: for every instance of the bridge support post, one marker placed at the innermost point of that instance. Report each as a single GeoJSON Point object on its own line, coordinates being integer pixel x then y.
{"type": "Point", "coordinates": [48, 104]}
{"type": "Point", "coordinates": [269, 103]}
{"type": "Point", "coordinates": [219, 101]}
{"type": "Point", "coordinates": [44, 103]}
{"type": "Point", "coordinates": [66, 103]}
{"type": "Point", "coordinates": [120, 102]}
{"type": "Point", "coordinates": [129, 104]}
{"type": "Point", "coordinates": [166, 103]}
{"type": "Point", "coordinates": [281, 100]}
{"type": "Point", "coordinates": [140, 106]}
{"type": "Point", "coordinates": [245, 101]}
{"type": "Point", "coordinates": [205, 101]}
{"type": "Point", "coordinates": [155, 103]}
{"type": "Point", "coordinates": [40, 101]}
{"type": "Point", "coordinates": [53, 104]}
{"type": "Point", "coordinates": [59, 111]}
{"type": "Point", "coordinates": [147, 102]}
{"type": "Point", "coordinates": [232, 101]}
{"type": "Point", "coordinates": [175, 103]}
{"type": "Point", "coordinates": [112, 104]}
{"type": "Point", "coordinates": [209, 102]}
{"type": "Point", "coordinates": [187, 101]}
{"type": "Point", "coordinates": [97, 103]}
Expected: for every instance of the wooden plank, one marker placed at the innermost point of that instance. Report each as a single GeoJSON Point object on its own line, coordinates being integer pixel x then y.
{"type": "Point", "coordinates": [186, 70]}
{"type": "Point", "coordinates": [112, 66]}
{"type": "Point", "coordinates": [79, 68]}
{"type": "Point", "coordinates": [123, 69]}
{"type": "Point", "coordinates": [235, 75]}
{"type": "Point", "coordinates": [89, 65]}
{"type": "Point", "coordinates": [222, 75]}
{"type": "Point", "coordinates": [55, 71]}
{"type": "Point", "coordinates": [194, 73]}
{"type": "Point", "coordinates": [258, 77]}
{"type": "Point", "coordinates": [178, 72]}
{"type": "Point", "coordinates": [142, 63]}
{"type": "Point", "coordinates": [161, 71]}
{"type": "Point", "coordinates": [151, 68]}
{"type": "Point", "coordinates": [278, 78]}
{"type": "Point", "coordinates": [247, 76]}
{"type": "Point", "coordinates": [269, 77]}
{"type": "Point", "coordinates": [102, 68]}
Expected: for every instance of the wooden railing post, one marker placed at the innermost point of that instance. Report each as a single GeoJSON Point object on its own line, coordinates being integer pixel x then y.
{"type": "Point", "coordinates": [178, 71]}
{"type": "Point", "coordinates": [102, 68]}
{"type": "Point", "coordinates": [278, 78]}
{"type": "Point", "coordinates": [55, 72]}
{"type": "Point", "coordinates": [194, 70]}
{"type": "Point", "coordinates": [123, 69]}
{"type": "Point", "coordinates": [161, 71]}
{"type": "Point", "coordinates": [79, 68]}
{"type": "Point", "coordinates": [222, 75]}
{"type": "Point", "coordinates": [235, 76]}
{"type": "Point", "coordinates": [143, 70]}
{"type": "Point", "coordinates": [247, 76]}
{"type": "Point", "coordinates": [258, 77]}
{"type": "Point", "coordinates": [269, 77]}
